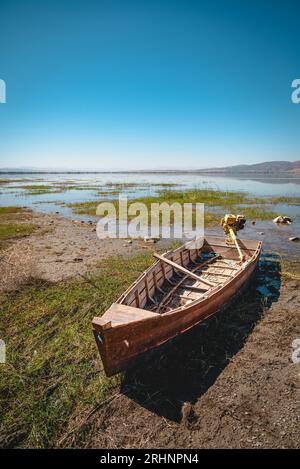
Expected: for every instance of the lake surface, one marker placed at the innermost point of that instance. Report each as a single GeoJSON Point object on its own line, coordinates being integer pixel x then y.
{"type": "Point", "coordinates": [86, 187]}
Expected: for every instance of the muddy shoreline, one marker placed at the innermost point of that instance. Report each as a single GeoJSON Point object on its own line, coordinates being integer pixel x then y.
{"type": "Point", "coordinates": [61, 248]}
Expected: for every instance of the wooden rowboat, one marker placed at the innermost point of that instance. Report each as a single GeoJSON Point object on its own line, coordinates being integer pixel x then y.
{"type": "Point", "coordinates": [183, 288]}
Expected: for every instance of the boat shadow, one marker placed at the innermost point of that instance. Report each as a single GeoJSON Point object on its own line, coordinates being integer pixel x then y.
{"type": "Point", "coordinates": [184, 368]}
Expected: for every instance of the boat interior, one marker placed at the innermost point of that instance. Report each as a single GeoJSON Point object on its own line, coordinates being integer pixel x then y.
{"type": "Point", "coordinates": [182, 276]}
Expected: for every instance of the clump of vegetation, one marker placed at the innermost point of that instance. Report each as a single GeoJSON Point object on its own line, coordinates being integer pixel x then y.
{"type": "Point", "coordinates": [255, 213]}
{"type": "Point", "coordinates": [12, 224]}
{"type": "Point", "coordinates": [208, 197]}
{"type": "Point", "coordinates": [89, 208]}
{"type": "Point", "coordinates": [84, 208]}
{"type": "Point", "coordinates": [58, 188]}
{"type": "Point", "coordinates": [10, 181]}
{"type": "Point", "coordinates": [128, 185]}
{"type": "Point", "coordinates": [8, 210]}
{"type": "Point", "coordinates": [220, 200]}
{"type": "Point", "coordinates": [290, 268]}
{"type": "Point", "coordinates": [284, 200]}
{"type": "Point", "coordinates": [53, 374]}
{"type": "Point", "coordinates": [39, 189]}
{"type": "Point", "coordinates": [8, 231]}
{"type": "Point", "coordinates": [108, 192]}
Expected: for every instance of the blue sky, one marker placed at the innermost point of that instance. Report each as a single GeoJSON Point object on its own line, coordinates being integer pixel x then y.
{"type": "Point", "coordinates": [148, 84]}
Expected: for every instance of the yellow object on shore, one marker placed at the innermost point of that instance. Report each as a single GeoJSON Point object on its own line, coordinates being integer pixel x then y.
{"type": "Point", "coordinates": [231, 224]}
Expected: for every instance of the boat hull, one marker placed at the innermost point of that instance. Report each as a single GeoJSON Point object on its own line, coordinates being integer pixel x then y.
{"type": "Point", "coordinates": [121, 345]}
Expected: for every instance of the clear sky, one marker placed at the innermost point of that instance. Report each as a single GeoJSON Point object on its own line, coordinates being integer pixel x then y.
{"type": "Point", "coordinates": [148, 84]}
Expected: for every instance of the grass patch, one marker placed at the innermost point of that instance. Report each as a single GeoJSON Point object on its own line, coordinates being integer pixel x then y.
{"type": "Point", "coordinates": [9, 181]}
{"type": "Point", "coordinates": [108, 192]}
{"type": "Point", "coordinates": [84, 208]}
{"type": "Point", "coordinates": [126, 185]}
{"type": "Point", "coordinates": [10, 226]}
{"type": "Point", "coordinates": [9, 230]}
{"type": "Point", "coordinates": [40, 189]}
{"type": "Point", "coordinates": [208, 197]}
{"type": "Point", "coordinates": [285, 200]}
{"type": "Point", "coordinates": [290, 268]}
{"type": "Point", "coordinates": [8, 210]}
{"type": "Point", "coordinates": [89, 208]}
{"type": "Point", "coordinates": [52, 376]}
{"type": "Point", "coordinates": [255, 213]}
{"type": "Point", "coordinates": [223, 200]}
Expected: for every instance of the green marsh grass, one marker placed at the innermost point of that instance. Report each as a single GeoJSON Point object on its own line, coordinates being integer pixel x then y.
{"type": "Point", "coordinates": [12, 225]}
{"type": "Point", "coordinates": [52, 376]}
{"type": "Point", "coordinates": [284, 200]}
{"type": "Point", "coordinates": [224, 201]}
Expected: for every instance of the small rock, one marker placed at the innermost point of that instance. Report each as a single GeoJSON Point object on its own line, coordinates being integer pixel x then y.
{"type": "Point", "coordinates": [57, 213]}
{"type": "Point", "coordinates": [253, 222]}
{"type": "Point", "coordinates": [148, 239]}
{"type": "Point", "coordinates": [77, 259]}
{"type": "Point", "coordinates": [186, 412]}
{"type": "Point", "coordinates": [261, 233]}
{"type": "Point", "coordinates": [129, 241]}
{"type": "Point", "coordinates": [294, 238]}
{"type": "Point", "coordinates": [90, 222]}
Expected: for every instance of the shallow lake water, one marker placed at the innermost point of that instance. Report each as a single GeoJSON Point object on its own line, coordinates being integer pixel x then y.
{"type": "Point", "coordinates": [135, 185]}
{"type": "Point", "coordinates": [85, 188]}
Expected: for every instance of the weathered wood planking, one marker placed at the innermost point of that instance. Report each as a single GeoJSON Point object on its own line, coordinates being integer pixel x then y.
{"type": "Point", "coordinates": [127, 330]}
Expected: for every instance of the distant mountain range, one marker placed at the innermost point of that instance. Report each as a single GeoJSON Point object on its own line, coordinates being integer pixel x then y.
{"type": "Point", "coordinates": [288, 169]}
{"type": "Point", "coordinates": [270, 168]}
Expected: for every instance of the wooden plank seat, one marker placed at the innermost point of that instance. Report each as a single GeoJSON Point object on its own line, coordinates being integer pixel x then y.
{"type": "Point", "coordinates": [119, 314]}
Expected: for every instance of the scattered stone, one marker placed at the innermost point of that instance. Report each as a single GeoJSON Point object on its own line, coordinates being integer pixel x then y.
{"type": "Point", "coordinates": [129, 241]}
{"type": "Point", "coordinates": [57, 213]}
{"type": "Point", "coordinates": [261, 233]}
{"type": "Point", "coordinates": [283, 219]}
{"type": "Point", "coordinates": [77, 259]}
{"type": "Point", "coordinates": [294, 238]}
{"type": "Point", "coordinates": [90, 222]}
{"type": "Point", "coordinates": [148, 239]}
{"type": "Point", "coordinates": [186, 412]}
